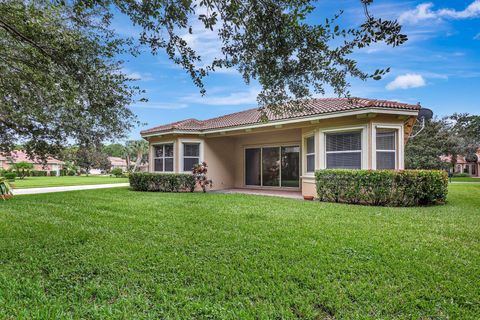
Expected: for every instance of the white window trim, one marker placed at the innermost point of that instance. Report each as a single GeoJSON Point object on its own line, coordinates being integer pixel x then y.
{"type": "Point", "coordinates": [400, 144]}
{"type": "Point", "coordinates": [323, 144]}
{"type": "Point", "coordinates": [304, 153]}
{"type": "Point", "coordinates": [200, 156]}
{"type": "Point", "coordinates": [152, 157]}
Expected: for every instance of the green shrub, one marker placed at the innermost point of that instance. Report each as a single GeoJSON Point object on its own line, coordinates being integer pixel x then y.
{"type": "Point", "coordinates": [117, 172]}
{"type": "Point", "coordinates": [53, 173]}
{"type": "Point", "coordinates": [38, 173]}
{"type": "Point", "coordinates": [461, 175]}
{"type": "Point", "coordinates": [10, 176]}
{"type": "Point", "coordinates": [162, 182]}
{"type": "Point", "coordinates": [71, 173]}
{"type": "Point", "coordinates": [382, 187]}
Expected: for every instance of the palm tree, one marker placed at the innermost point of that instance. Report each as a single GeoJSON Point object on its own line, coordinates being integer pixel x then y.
{"type": "Point", "coordinates": [136, 149]}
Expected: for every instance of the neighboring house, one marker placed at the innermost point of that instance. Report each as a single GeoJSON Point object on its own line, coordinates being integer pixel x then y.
{"type": "Point", "coordinates": [7, 161]}
{"type": "Point", "coordinates": [117, 162]}
{"type": "Point", "coordinates": [243, 152]}
{"type": "Point", "coordinates": [472, 168]}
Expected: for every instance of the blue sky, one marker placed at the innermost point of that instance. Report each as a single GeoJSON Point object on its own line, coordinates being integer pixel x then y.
{"type": "Point", "coordinates": [439, 66]}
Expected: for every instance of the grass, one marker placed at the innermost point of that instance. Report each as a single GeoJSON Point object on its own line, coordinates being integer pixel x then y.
{"type": "Point", "coordinates": [42, 182]}
{"type": "Point", "coordinates": [116, 253]}
{"type": "Point", "coordinates": [465, 179]}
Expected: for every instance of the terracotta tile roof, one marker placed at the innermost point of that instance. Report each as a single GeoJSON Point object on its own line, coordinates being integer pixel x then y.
{"type": "Point", "coordinates": [116, 161]}
{"type": "Point", "coordinates": [18, 156]}
{"type": "Point", "coordinates": [251, 116]}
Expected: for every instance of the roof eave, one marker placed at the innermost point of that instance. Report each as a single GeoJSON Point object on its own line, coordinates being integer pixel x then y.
{"type": "Point", "coordinates": [327, 115]}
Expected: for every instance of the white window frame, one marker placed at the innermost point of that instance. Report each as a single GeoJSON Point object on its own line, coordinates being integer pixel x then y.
{"type": "Point", "coordinates": [305, 154]}
{"type": "Point", "coordinates": [363, 129]}
{"type": "Point", "coordinates": [153, 157]}
{"type": "Point", "coordinates": [200, 155]}
{"type": "Point", "coordinates": [399, 145]}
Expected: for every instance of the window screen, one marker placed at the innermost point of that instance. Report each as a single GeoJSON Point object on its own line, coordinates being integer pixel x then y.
{"type": "Point", "coordinates": [310, 154]}
{"type": "Point", "coordinates": [191, 155]}
{"type": "Point", "coordinates": [163, 157]}
{"type": "Point", "coordinates": [344, 150]}
{"type": "Point", "coordinates": [386, 149]}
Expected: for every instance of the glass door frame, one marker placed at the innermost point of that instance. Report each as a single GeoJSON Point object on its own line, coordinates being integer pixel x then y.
{"type": "Point", "coordinates": [279, 146]}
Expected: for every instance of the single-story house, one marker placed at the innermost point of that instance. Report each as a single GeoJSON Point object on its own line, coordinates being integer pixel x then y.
{"type": "Point", "coordinates": [117, 162]}
{"type": "Point", "coordinates": [52, 164]}
{"type": "Point", "coordinates": [472, 168]}
{"type": "Point", "coordinates": [242, 151]}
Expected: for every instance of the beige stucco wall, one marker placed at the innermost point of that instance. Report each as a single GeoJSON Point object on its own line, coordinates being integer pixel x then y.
{"type": "Point", "coordinates": [224, 153]}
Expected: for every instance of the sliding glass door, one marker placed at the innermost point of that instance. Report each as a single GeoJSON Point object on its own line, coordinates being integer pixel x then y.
{"type": "Point", "coordinates": [273, 166]}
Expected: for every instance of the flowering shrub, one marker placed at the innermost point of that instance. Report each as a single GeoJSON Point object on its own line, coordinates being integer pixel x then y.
{"type": "Point", "coordinates": [382, 187]}
{"type": "Point", "coordinates": [200, 173]}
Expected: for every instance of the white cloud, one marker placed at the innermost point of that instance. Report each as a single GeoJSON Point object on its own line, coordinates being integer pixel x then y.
{"type": "Point", "coordinates": [472, 11]}
{"type": "Point", "coordinates": [477, 37]}
{"type": "Point", "coordinates": [163, 106]}
{"type": "Point", "coordinates": [135, 75]}
{"type": "Point", "coordinates": [406, 81]}
{"type": "Point", "coordinates": [230, 99]}
{"type": "Point", "coordinates": [424, 12]}
{"type": "Point", "coordinates": [421, 12]}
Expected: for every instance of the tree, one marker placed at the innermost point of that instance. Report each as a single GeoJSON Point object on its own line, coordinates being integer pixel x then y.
{"type": "Point", "coordinates": [89, 157]}
{"type": "Point", "coordinates": [63, 74]}
{"type": "Point", "coordinates": [442, 137]}
{"type": "Point", "coordinates": [59, 60]}
{"type": "Point", "coordinates": [22, 168]}
{"type": "Point", "coordinates": [114, 150]}
{"type": "Point", "coordinates": [138, 151]}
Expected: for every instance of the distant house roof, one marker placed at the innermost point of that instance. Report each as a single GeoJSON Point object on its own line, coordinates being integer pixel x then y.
{"type": "Point", "coordinates": [253, 116]}
{"type": "Point", "coordinates": [19, 156]}
{"type": "Point", "coordinates": [460, 158]}
{"type": "Point", "coordinates": [116, 161]}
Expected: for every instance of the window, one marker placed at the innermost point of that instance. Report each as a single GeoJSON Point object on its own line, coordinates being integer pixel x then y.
{"type": "Point", "coordinates": [310, 154]}
{"type": "Point", "coordinates": [344, 150]}
{"type": "Point", "coordinates": [386, 149]}
{"type": "Point", "coordinates": [191, 155]}
{"type": "Point", "coordinates": [163, 157]}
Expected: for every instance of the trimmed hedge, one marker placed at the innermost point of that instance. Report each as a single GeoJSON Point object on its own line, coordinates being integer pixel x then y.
{"type": "Point", "coordinates": [162, 182]}
{"type": "Point", "coordinates": [382, 187]}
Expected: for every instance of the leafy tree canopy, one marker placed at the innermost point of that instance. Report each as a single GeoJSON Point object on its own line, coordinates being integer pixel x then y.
{"type": "Point", "coordinates": [61, 79]}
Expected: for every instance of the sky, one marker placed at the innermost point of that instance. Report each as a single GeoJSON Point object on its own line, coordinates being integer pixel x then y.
{"type": "Point", "coordinates": [439, 66]}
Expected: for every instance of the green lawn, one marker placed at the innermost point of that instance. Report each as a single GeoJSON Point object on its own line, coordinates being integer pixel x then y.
{"type": "Point", "coordinates": [465, 179]}
{"type": "Point", "coordinates": [41, 182]}
{"type": "Point", "coordinates": [116, 253]}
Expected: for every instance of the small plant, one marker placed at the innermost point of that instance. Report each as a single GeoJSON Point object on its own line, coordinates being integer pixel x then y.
{"type": "Point", "coordinates": [5, 189]}
{"type": "Point", "coordinates": [10, 176]}
{"type": "Point", "coordinates": [117, 172]}
{"type": "Point", "coordinates": [200, 173]}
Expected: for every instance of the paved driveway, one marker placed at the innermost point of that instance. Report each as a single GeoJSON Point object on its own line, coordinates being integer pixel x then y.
{"type": "Point", "coordinates": [67, 188]}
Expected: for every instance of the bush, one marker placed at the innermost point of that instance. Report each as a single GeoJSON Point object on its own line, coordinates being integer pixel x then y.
{"type": "Point", "coordinates": [117, 172]}
{"type": "Point", "coordinates": [162, 182]}
{"type": "Point", "coordinates": [38, 173]}
{"type": "Point", "coordinates": [71, 173]}
{"type": "Point", "coordinates": [10, 176]}
{"type": "Point", "coordinates": [461, 175]}
{"type": "Point", "coordinates": [53, 173]}
{"type": "Point", "coordinates": [382, 187]}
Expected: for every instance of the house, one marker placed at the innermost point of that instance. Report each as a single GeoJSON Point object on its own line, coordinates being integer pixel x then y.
{"type": "Point", "coordinates": [117, 162]}
{"type": "Point", "coordinates": [52, 164]}
{"type": "Point", "coordinates": [462, 165]}
{"type": "Point", "coordinates": [242, 151]}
